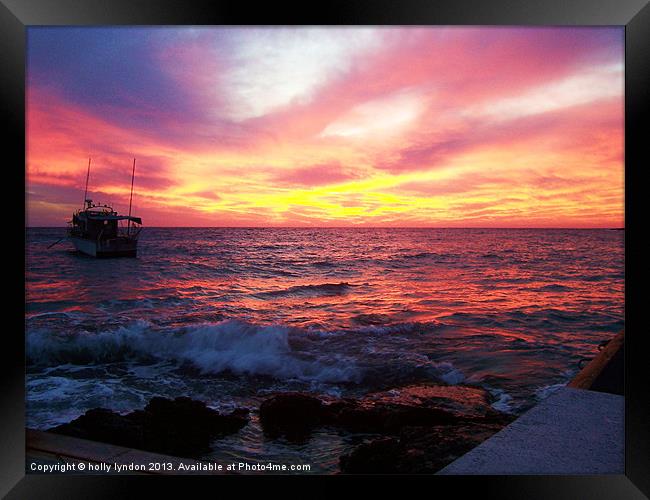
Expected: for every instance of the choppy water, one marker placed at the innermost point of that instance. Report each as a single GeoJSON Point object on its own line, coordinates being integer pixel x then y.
{"type": "Point", "coordinates": [229, 315]}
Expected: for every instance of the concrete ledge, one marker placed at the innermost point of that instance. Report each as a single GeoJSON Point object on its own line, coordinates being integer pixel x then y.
{"type": "Point", "coordinates": [573, 431]}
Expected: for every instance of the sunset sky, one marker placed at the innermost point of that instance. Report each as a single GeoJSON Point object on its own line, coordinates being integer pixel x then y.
{"type": "Point", "coordinates": [440, 126]}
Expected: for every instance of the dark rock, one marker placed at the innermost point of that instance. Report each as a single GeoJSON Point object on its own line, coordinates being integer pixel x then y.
{"type": "Point", "coordinates": [427, 450]}
{"type": "Point", "coordinates": [381, 378]}
{"type": "Point", "coordinates": [182, 427]}
{"type": "Point", "coordinates": [429, 439]}
{"type": "Point", "coordinates": [375, 457]}
{"type": "Point", "coordinates": [419, 450]}
{"type": "Point", "coordinates": [462, 401]}
{"type": "Point", "coordinates": [382, 412]}
{"type": "Point", "coordinates": [291, 414]}
{"type": "Point", "coordinates": [185, 411]}
{"type": "Point", "coordinates": [185, 425]}
{"type": "Point", "coordinates": [428, 426]}
{"type": "Point", "coordinates": [390, 418]}
{"type": "Point", "coordinates": [100, 424]}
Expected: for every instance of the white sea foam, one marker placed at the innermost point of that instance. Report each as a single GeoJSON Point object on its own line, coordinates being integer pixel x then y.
{"type": "Point", "coordinates": [544, 392]}
{"type": "Point", "coordinates": [232, 345]}
{"type": "Point", "coordinates": [503, 400]}
{"type": "Point", "coordinates": [449, 373]}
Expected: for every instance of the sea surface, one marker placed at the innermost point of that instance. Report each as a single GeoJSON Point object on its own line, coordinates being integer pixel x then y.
{"type": "Point", "coordinates": [230, 315]}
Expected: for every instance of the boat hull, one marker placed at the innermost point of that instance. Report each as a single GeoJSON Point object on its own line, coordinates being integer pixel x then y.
{"type": "Point", "coordinates": [118, 247]}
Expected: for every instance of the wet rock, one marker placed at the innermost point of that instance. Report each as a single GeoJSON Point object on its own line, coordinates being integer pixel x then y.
{"type": "Point", "coordinates": [424, 427]}
{"type": "Point", "coordinates": [383, 412]}
{"type": "Point", "coordinates": [101, 424]}
{"type": "Point", "coordinates": [180, 427]}
{"type": "Point", "coordinates": [375, 457]}
{"type": "Point", "coordinates": [185, 425]}
{"type": "Point", "coordinates": [435, 425]}
{"type": "Point", "coordinates": [291, 414]}
{"type": "Point", "coordinates": [464, 402]}
{"type": "Point", "coordinates": [389, 418]}
{"type": "Point", "coordinates": [418, 450]}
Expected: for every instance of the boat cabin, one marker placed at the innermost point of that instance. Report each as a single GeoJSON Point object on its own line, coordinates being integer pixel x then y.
{"type": "Point", "coordinates": [101, 222]}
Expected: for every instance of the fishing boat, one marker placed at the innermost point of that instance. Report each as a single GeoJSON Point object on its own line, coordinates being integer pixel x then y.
{"type": "Point", "coordinates": [99, 231]}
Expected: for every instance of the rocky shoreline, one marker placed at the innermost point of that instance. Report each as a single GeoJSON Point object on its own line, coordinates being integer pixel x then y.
{"type": "Point", "coordinates": [422, 427]}
{"type": "Point", "coordinates": [419, 428]}
{"type": "Point", "coordinates": [180, 427]}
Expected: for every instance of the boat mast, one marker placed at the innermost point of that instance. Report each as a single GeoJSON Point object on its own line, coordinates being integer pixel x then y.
{"type": "Point", "coordinates": [128, 231]}
{"type": "Point", "coordinates": [86, 191]}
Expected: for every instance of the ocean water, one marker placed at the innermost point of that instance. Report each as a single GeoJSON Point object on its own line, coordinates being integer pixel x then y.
{"type": "Point", "coordinates": [229, 315]}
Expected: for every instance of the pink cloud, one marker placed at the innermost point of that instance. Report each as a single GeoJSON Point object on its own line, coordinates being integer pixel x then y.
{"type": "Point", "coordinates": [472, 92]}
{"type": "Point", "coordinates": [315, 175]}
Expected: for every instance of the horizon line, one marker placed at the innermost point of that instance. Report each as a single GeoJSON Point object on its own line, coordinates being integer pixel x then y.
{"type": "Point", "coordinates": [354, 227]}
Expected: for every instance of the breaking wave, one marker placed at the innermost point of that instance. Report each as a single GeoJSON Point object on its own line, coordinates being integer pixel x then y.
{"type": "Point", "coordinates": [232, 345]}
{"type": "Point", "coordinates": [374, 356]}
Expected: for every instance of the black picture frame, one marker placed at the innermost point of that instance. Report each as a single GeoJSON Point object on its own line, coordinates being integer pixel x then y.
{"type": "Point", "coordinates": [16, 15]}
